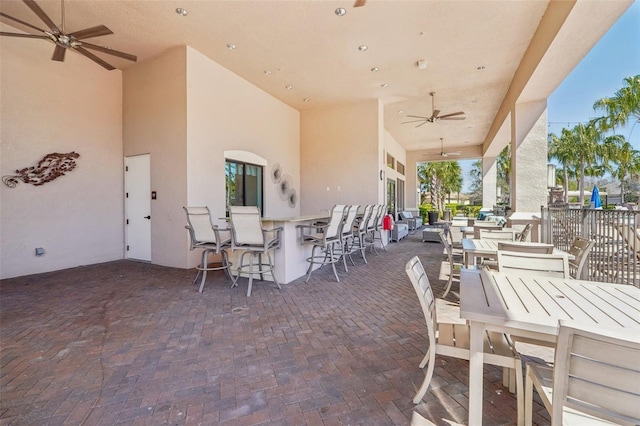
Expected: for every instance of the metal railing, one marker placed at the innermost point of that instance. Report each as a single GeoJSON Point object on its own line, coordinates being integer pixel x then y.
{"type": "Point", "coordinates": [615, 257]}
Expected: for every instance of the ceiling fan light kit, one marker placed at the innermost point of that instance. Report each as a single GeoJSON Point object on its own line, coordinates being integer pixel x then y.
{"type": "Point", "coordinates": [64, 40]}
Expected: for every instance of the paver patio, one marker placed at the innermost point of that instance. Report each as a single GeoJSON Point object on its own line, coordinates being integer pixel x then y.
{"type": "Point", "coordinates": [133, 343]}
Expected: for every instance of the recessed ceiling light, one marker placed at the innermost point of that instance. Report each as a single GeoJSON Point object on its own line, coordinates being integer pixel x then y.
{"type": "Point", "coordinates": [341, 11]}
{"type": "Point", "coordinates": [288, 87]}
{"type": "Point", "coordinates": [267, 72]}
{"type": "Point", "coordinates": [306, 100]}
{"type": "Point", "coordinates": [383, 85]}
{"type": "Point", "coordinates": [231, 46]}
{"type": "Point", "coordinates": [400, 111]}
{"type": "Point", "coordinates": [363, 48]}
{"type": "Point", "coordinates": [375, 69]}
{"type": "Point", "coordinates": [182, 12]}
{"type": "Point", "coordinates": [480, 67]}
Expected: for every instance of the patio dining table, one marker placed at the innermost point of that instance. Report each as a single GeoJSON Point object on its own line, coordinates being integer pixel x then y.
{"type": "Point", "coordinates": [473, 249]}
{"type": "Point", "coordinates": [531, 306]}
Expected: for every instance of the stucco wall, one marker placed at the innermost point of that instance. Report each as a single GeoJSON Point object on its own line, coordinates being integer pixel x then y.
{"type": "Point", "coordinates": [47, 107]}
{"type": "Point", "coordinates": [155, 123]}
{"type": "Point", "coordinates": [340, 156]}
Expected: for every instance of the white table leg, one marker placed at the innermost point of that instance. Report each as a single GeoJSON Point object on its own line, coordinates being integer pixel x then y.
{"type": "Point", "coordinates": [476, 365]}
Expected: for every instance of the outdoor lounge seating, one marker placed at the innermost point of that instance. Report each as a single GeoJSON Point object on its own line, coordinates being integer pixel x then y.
{"type": "Point", "coordinates": [595, 378]}
{"type": "Point", "coordinates": [414, 222]}
{"type": "Point", "coordinates": [213, 240]}
{"type": "Point", "coordinates": [248, 236]}
{"type": "Point", "coordinates": [453, 339]}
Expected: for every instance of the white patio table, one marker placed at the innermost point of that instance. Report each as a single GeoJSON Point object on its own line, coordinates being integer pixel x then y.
{"type": "Point", "coordinates": [473, 249]}
{"type": "Point", "coordinates": [531, 306]}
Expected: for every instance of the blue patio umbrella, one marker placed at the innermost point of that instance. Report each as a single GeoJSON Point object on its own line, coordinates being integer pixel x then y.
{"type": "Point", "coordinates": [596, 203]}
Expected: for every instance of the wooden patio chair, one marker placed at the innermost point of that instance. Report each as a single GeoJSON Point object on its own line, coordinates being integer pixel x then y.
{"type": "Point", "coordinates": [518, 247]}
{"type": "Point", "coordinates": [548, 265]}
{"type": "Point", "coordinates": [497, 234]}
{"type": "Point", "coordinates": [595, 378]}
{"type": "Point", "coordinates": [453, 339]}
{"type": "Point", "coordinates": [580, 248]}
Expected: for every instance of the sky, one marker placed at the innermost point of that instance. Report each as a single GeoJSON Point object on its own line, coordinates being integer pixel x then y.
{"type": "Point", "coordinates": [600, 73]}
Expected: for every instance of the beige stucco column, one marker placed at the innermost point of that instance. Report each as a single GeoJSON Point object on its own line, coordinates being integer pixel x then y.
{"type": "Point", "coordinates": [529, 157]}
{"type": "Point", "coordinates": [489, 181]}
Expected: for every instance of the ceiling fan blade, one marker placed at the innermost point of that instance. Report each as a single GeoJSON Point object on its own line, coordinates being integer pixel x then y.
{"type": "Point", "coordinates": [452, 118]}
{"type": "Point", "coordinates": [93, 57]}
{"type": "Point", "coordinates": [359, 3]}
{"type": "Point", "coordinates": [58, 53]}
{"type": "Point", "coordinates": [418, 116]}
{"type": "Point", "coordinates": [422, 124]}
{"type": "Point", "coordinates": [45, 18]}
{"type": "Point", "coordinates": [413, 121]}
{"type": "Point", "coordinates": [435, 114]}
{"type": "Point", "coordinates": [21, 22]}
{"type": "Point", "coordinates": [110, 51]}
{"type": "Point", "coordinates": [453, 114]}
{"type": "Point", "coordinates": [452, 153]}
{"type": "Point", "coordinates": [24, 35]}
{"type": "Point", "coordinates": [97, 31]}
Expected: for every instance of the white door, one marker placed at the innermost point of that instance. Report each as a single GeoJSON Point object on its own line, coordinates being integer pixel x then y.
{"type": "Point", "coordinates": [138, 207]}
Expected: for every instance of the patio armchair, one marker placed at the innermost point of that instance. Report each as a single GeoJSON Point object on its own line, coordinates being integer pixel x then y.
{"type": "Point", "coordinates": [580, 249]}
{"type": "Point", "coordinates": [518, 247]}
{"type": "Point", "coordinates": [325, 239]}
{"type": "Point", "coordinates": [453, 339]}
{"type": "Point", "coordinates": [360, 231]}
{"type": "Point", "coordinates": [349, 239]}
{"type": "Point", "coordinates": [213, 240]}
{"type": "Point", "coordinates": [595, 378]}
{"type": "Point", "coordinates": [414, 222]}
{"type": "Point", "coordinates": [249, 236]}
{"type": "Point", "coordinates": [524, 234]}
{"type": "Point", "coordinates": [454, 267]}
{"type": "Point", "coordinates": [548, 265]}
{"type": "Point", "coordinates": [376, 231]}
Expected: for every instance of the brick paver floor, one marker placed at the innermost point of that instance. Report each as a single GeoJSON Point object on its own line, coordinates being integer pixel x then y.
{"type": "Point", "coordinates": [136, 344]}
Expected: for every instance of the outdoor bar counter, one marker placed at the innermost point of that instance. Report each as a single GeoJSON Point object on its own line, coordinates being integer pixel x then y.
{"type": "Point", "coordinates": [291, 258]}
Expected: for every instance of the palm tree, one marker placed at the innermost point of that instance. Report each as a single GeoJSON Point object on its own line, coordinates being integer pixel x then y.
{"type": "Point", "coordinates": [628, 161]}
{"type": "Point", "coordinates": [622, 106]}
{"type": "Point", "coordinates": [585, 142]}
{"type": "Point", "coordinates": [440, 178]}
{"type": "Point", "coordinates": [560, 149]}
{"type": "Point", "coordinates": [503, 171]}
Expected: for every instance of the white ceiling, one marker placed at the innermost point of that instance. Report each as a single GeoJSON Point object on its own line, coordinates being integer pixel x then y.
{"type": "Point", "coordinates": [472, 50]}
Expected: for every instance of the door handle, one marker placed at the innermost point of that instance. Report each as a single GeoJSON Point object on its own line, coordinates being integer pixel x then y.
{"type": "Point", "coordinates": [148, 217]}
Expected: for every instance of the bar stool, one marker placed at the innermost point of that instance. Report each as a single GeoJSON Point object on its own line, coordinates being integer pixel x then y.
{"type": "Point", "coordinates": [249, 236]}
{"type": "Point", "coordinates": [205, 235]}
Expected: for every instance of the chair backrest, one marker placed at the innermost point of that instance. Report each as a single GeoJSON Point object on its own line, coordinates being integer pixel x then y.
{"type": "Point", "coordinates": [496, 234]}
{"type": "Point", "coordinates": [479, 227]}
{"type": "Point", "coordinates": [350, 219]}
{"type": "Point", "coordinates": [200, 226]}
{"type": "Point", "coordinates": [525, 232]}
{"type": "Point", "coordinates": [364, 220]}
{"type": "Point", "coordinates": [377, 225]}
{"type": "Point", "coordinates": [421, 285]}
{"type": "Point", "coordinates": [404, 215]}
{"type": "Point", "coordinates": [580, 248]}
{"type": "Point", "coordinates": [549, 265]}
{"type": "Point", "coordinates": [447, 248]}
{"type": "Point", "coordinates": [246, 225]}
{"type": "Point", "coordinates": [525, 247]}
{"type": "Point", "coordinates": [373, 218]}
{"type": "Point", "coordinates": [334, 228]}
{"type": "Point", "coordinates": [596, 371]}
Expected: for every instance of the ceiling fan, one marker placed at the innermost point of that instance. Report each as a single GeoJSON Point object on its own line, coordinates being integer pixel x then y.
{"type": "Point", "coordinates": [64, 40]}
{"type": "Point", "coordinates": [444, 153]}
{"type": "Point", "coordinates": [435, 115]}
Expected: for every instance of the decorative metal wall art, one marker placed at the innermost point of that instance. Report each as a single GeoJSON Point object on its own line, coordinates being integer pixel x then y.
{"type": "Point", "coordinates": [285, 185]}
{"type": "Point", "coordinates": [51, 167]}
